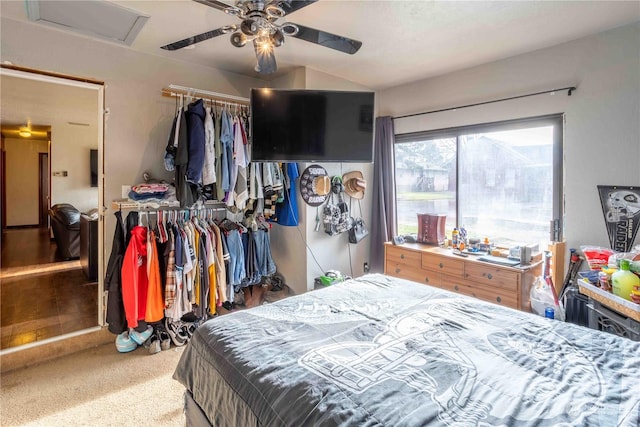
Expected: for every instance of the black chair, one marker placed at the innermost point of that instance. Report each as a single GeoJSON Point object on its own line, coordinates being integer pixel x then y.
{"type": "Point", "coordinates": [89, 244]}
{"type": "Point", "coordinates": [65, 222]}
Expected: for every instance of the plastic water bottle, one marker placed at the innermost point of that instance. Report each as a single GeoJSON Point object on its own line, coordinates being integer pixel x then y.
{"type": "Point", "coordinates": [549, 313]}
{"type": "Point", "coordinates": [455, 238]}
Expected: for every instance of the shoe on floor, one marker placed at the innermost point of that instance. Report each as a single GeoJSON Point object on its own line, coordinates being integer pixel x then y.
{"type": "Point", "coordinates": [153, 344]}
{"type": "Point", "coordinates": [124, 343]}
{"type": "Point", "coordinates": [141, 337]}
{"type": "Point", "coordinates": [177, 332]}
{"type": "Point", "coordinates": [165, 339]}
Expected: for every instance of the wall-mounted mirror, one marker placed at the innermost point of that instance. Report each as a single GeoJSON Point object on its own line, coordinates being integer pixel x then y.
{"type": "Point", "coordinates": [52, 186]}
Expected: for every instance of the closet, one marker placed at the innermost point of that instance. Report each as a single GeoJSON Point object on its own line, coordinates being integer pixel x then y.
{"type": "Point", "coordinates": [186, 249]}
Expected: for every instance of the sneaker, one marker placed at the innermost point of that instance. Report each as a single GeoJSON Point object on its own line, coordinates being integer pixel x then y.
{"type": "Point", "coordinates": [141, 337]}
{"type": "Point", "coordinates": [165, 339]}
{"type": "Point", "coordinates": [124, 343]}
{"type": "Point", "coordinates": [153, 343]}
{"type": "Point", "coordinates": [190, 328]}
{"type": "Point", "coordinates": [177, 332]}
{"type": "Point", "coordinates": [163, 336]}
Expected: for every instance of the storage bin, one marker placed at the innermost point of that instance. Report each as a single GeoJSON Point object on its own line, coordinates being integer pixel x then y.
{"type": "Point", "coordinates": [607, 320]}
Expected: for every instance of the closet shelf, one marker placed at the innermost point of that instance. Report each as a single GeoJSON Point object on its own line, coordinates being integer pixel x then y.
{"type": "Point", "coordinates": [175, 90]}
{"type": "Point", "coordinates": [130, 204]}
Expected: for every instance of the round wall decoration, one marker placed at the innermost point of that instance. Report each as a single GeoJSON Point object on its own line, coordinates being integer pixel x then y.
{"type": "Point", "coordinates": [314, 185]}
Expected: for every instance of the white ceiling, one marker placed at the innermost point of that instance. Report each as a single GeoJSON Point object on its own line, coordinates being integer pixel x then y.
{"type": "Point", "coordinates": [403, 41]}
{"type": "Point", "coordinates": [44, 104]}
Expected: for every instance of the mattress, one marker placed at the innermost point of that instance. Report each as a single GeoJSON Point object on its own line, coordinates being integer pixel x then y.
{"type": "Point", "coordinates": [383, 351]}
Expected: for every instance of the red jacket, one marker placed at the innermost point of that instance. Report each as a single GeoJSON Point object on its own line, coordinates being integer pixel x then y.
{"type": "Point", "coordinates": [134, 277]}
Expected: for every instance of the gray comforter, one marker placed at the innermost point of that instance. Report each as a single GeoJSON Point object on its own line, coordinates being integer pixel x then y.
{"type": "Point", "coordinates": [382, 351]}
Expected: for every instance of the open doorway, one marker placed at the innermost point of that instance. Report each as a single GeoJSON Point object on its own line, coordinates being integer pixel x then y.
{"type": "Point", "coordinates": [51, 125]}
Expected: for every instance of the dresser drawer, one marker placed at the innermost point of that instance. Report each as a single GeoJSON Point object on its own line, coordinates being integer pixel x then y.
{"type": "Point", "coordinates": [483, 292]}
{"type": "Point", "coordinates": [443, 264]}
{"type": "Point", "coordinates": [402, 256]}
{"type": "Point", "coordinates": [491, 275]}
{"type": "Point", "coordinates": [418, 275]}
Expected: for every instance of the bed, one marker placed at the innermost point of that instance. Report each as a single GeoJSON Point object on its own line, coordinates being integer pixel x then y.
{"type": "Point", "coordinates": [383, 351]}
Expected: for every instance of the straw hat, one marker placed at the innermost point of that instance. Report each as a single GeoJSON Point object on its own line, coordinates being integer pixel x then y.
{"type": "Point", "coordinates": [354, 184]}
{"type": "Point", "coordinates": [315, 185]}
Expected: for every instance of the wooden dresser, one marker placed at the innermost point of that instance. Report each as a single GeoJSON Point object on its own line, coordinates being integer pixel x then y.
{"type": "Point", "coordinates": [439, 267]}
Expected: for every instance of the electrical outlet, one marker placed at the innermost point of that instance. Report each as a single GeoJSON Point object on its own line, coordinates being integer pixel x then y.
{"type": "Point", "coordinates": [365, 267]}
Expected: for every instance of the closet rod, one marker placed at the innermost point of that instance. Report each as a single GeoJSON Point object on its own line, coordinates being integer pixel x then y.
{"type": "Point", "coordinates": [569, 89]}
{"type": "Point", "coordinates": [175, 90]}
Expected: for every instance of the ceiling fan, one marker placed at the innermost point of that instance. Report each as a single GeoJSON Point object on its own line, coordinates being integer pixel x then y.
{"type": "Point", "coordinates": [259, 25]}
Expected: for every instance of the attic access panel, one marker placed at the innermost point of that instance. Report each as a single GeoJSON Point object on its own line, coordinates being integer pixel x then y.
{"type": "Point", "coordinates": [93, 18]}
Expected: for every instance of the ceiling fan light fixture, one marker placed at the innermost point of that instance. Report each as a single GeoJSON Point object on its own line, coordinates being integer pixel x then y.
{"type": "Point", "coordinates": [277, 38]}
{"type": "Point", "coordinates": [264, 44]}
{"type": "Point", "coordinates": [249, 27]}
{"type": "Point", "coordinates": [238, 39]}
{"type": "Point", "coordinates": [25, 131]}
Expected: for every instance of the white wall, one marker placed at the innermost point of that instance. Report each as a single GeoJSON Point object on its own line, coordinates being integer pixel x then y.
{"type": "Point", "coordinates": [22, 175]}
{"type": "Point", "coordinates": [602, 133]}
{"type": "Point", "coordinates": [70, 147]}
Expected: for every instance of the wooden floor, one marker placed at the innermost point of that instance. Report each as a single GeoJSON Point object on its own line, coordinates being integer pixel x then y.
{"type": "Point", "coordinates": [41, 295]}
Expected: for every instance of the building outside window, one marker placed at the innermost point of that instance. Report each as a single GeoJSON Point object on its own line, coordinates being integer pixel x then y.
{"type": "Point", "coordinates": [498, 180]}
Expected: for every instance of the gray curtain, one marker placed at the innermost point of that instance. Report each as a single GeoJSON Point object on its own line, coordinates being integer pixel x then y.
{"type": "Point", "coordinates": [383, 217]}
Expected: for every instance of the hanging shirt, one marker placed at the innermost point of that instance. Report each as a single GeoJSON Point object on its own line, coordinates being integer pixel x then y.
{"type": "Point", "coordinates": [219, 163]}
{"type": "Point", "coordinates": [287, 211]}
{"type": "Point", "coordinates": [195, 126]}
{"type": "Point", "coordinates": [185, 192]}
{"type": "Point", "coordinates": [221, 269]}
{"type": "Point", "coordinates": [226, 141]}
{"type": "Point", "coordinates": [241, 194]}
{"type": "Point", "coordinates": [170, 285]}
{"type": "Point", "coordinates": [155, 304]}
{"type": "Point", "coordinates": [209, 168]}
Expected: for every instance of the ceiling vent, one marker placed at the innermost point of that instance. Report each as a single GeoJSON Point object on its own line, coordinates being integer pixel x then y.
{"type": "Point", "coordinates": [93, 18]}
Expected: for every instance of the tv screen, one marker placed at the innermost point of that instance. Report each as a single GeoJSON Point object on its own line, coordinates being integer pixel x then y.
{"type": "Point", "coordinates": [311, 126]}
{"type": "Point", "coordinates": [93, 167]}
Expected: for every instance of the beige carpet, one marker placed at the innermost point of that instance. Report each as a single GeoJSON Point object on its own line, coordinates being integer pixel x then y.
{"type": "Point", "coordinates": [95, 387]}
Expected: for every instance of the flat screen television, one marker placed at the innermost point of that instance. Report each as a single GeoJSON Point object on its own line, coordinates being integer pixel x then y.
{"type": "Point", "coordinates": [93, 167]}
{"type": "Point", "coordinates": [311, 126]}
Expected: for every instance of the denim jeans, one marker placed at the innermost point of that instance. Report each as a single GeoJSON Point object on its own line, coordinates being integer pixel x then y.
{"type": "Point", "coordinates": [236, 270]}
{"type": "Point", "coordinates": [266, 265]}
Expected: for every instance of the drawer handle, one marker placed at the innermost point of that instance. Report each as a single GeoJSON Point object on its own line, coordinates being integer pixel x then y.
{"type": "Point", "coordinates": [474, 295]}
{"type": "Point", "coordinates": [401, 256]}
{"type": "Point", "coordinates": [498, 299]}
{"type": "Point", "coordinates": [456, 287]}
{"type": "Point", "coordinates": [489, 276]}
{"type": "Point", "coordinates": [441, 265]}
{"type": "Point", "coordinates": [397, 270]}
{"type": "Point", "coordinates": [426, 280]}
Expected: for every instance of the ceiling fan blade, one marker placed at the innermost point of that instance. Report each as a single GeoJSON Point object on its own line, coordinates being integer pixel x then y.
{"type": "Point", "coordinates": [266, 59]}
{"type": "Point", "coordinates": [195, 39]}
{"type": "Point", "coordinates": [215, 4]}
{"type": "Point", "coordinates": [333, 41]}
{"type": "Point", "coordinates": [291, 6]}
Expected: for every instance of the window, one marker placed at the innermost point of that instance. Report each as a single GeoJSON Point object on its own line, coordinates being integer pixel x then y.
{"type": "Point", "coordinates": [498, 180]}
